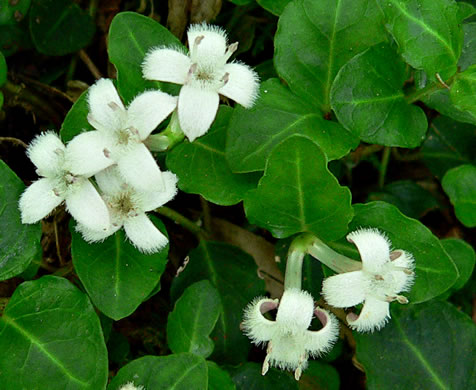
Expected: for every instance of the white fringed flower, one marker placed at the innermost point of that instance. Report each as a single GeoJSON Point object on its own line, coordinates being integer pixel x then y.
{"type": "Point", "coordinates": [53, 161]}
{"type": "Point", "coordinates": [290, 343]}
{"type": "Point", "coordinates": [204, 75]}
{"type": "Point", "coordinates": [131, 386]}
{"type": "Point", "coordinates": [128, 207]}
{"type": "Point", "coordinates": [384, 274]}
{"type": "Point", "coordinates": [119, 135]}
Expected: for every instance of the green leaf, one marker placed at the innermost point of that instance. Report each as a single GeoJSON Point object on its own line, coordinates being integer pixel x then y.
{"type": "Point", "coordinates": [367, 98]}
{"type": "Point", "coordinates": [52, 338]}
{"type": "Point", "coordinates": [202, 168]}
{"type": "Point", "coordinates": [193, 319]}
{"type": "Point", "coordinates": [19, 243]}
{"type": "Point", "coordinates": [463, 256]}
{"type": "Point", "coordinates": [435, 271]}
{"type": "Point", "coordinates": [434, 344]}
{"type": "Point", "coordinates": [410, 198]}
{"type": "Point", "coordinates": [463, 90]}
{"type": "Point", "coordinates": [184, 371]}
{"type": "Point", "coordinates": [117, 277]}
{"type": "Point", "coordinates": [248, 377]}
{"type": "Point", "coordinates": [276, 7]}
{"type": "Point", "coordinates": [468, 54]}
{"type": "Point", "coordinates": [459, 184]}
{"type": "Point", "coordinates": [448, 145]}
{"type": "Point", "coordinates": [428, 33]}
{"type": "Point", "coordinates": [3, 70]}
{"type": "Point", "coordinates": [131, 35]}
{"type": "Point", "coordinates": [278, 114]}
{"type": "Point", "coordinates": [233, 273]}
{"type": "Point", "coordinates": [59, 28]}
{"type": "Point", "coordinates": [298, 193]}
{"type": "Point", "coordinates": [218, 379]}
{"type": "Point", "coordinates": [76, 120]}
{"type": "Point", "coordinates": [12, 12]}
{"type": "Point", "coordinates": [465, 10]}
{"type": "Point", "coordinates": [13, 38]}
{"type": "Point", "coordinates": [316, 38]}
{"type": "Point", "coordinates": [319, 376]}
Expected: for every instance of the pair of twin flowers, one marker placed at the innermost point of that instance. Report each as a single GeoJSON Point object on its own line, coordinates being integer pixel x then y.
{"type": "Point", "coordinates": [130, 184]}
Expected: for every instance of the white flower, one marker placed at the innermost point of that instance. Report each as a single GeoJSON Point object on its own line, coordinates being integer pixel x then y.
{"type": "Point", "coordinates": [127, 207]}
{"type": "Point", "coordinates": [131, 386]}
{"type": "Point", "coordinates": [204, 74]}
{"type": "Point", "coordinates": [384, 274]}
{"type": "Point", "coordinates": [119, 135]}
{"type": "Point", "coordinates": [53, 161]}
{"type": "Point", "coordinates": [290, 343]}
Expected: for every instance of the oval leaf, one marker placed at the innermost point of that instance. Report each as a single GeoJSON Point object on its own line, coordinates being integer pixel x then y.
{"type": "Point", "coordinates": [463, 256]}
{"type": "Point", "coordinates": [53, 339]}
{"type": "Point", "coordinates": [76, 120]}
{"type": "Point", "coordinates": [218, 379]}
{"type": "Point", "coordinates": [463, 90]}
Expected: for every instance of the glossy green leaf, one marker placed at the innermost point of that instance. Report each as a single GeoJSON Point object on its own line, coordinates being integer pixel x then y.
{"type": "Point", "coordinates": [19, 243]}
{"type": "Point", "coordinates": [319, 375]}
{"type": "Point", "coordinates": [460, 185]}
{"type": "Point", "coordinates": [193, 319]}
{"type": "Point", "coordinates": [428, 33]}
{"type": "Point", "coordinates": [76, 120]}
{"type": "Point", "coordinates": [367, 98]}
{"type": "Point", "coordinates": [202, 168]}
{"type": "Point", "coordinates": [463, 91]}
{"type": "Point", "coordinates": [316, 38]}
{"type": "Point", "coordinates": [248, 377]}
{"type": "Point", "coordinates": [428, 346]}
{"type": "Point", "coordinates": [448, 145]}
{"type": "Point", "coordinates": [117, 277]}
{"type": "Point", "coordinates": [52, 338]}
{"type": "Point", "coordinates": [465, 10]}
{"type": "Point", "coordinates": [131, 35]}
{"type": "Point", "coordinates": [59, 28]}
{"type": "Point", "coordinates": [12, 12]}
{"type": "Point", "coordinates": [463, 256]}
{"type": "Point", "coordinates": [183, 371]}
{"type": "Point", "coordinates": [298, 193]}
{"type": "Point", "coordinates": [276, 7]}
{"type": "Point", "coordinates": [410, 198]}
{"type": "Point", "coordinates": [278, 114]}
{"type": "Point", "coordinates": [218, 379]}
{"type": "Point", "coordinates": [3, 69]}
{"type": "Point", "coordinates": [468, 54]}
{"type": "Point", "coordinates": [233, 273]}
{"type": "Point", "coordinates": [435, 271]}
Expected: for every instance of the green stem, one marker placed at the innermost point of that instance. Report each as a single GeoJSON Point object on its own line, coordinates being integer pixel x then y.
{"type": "Point", "coordinates": [335, 261]}
{"type": "Point", "coordinates": [168, 138]}
{"type": "Point", "coordinates": [428, 90]}
{"type": "Point", "coordinates": [182, 221]}
{"type": "Point", "coordinates": [384, 166]}
{"type": "Point", "coordinates": [297, 251]}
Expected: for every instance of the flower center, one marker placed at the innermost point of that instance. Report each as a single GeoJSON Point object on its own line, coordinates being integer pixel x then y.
{"type": "Point", "coordinates": [123, 204]}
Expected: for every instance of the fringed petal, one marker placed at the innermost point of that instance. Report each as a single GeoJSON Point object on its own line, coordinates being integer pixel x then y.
{"type": "Point", "coordinates": [321, 341]}
{"type": "Point", "coordinates": [38, 200]}
{"type": "Point", "coordinates": [151, 200]}
{"type": "Point", "coordinates": [46, 151]}
{"type": "Point", "coordinates": [345, 290]}
{"type": "Point", "coordinates": [110, 181]}
{"type": "Point", "coordinates": [207, 44]}
{"type": "Point", "coordinates": [295, 310]}
{"type": "Point", "coordinates": [91, 236]}
{"type": "Point", "coordinates": [374, 248]}
{"type": "Point", "coordinates": [144, 235]}
{"type": "Point", "coordinates": [255, 325]}
{"type": "Point", "coordinates": [403, 271]}
{"type": "Point", "coordinates": [374, 315]}
{"type": "Point", "coordinates": [242, 85]}
{"type": "Point", "coordinates": [166, 64]}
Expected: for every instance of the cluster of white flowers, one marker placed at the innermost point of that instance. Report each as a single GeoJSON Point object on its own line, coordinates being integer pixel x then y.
{"type": "Point", "coordinates": [129, 181]}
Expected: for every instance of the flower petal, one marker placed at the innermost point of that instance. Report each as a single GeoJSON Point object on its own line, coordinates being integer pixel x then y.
{"type": "Point", "coordinates": [139, 169]}
{"type": "Point", "coordinates": [295, 310]}
{"type": "Point", "coordinates": [288, 351]}
{"type": "Point", "coordinates": [46, 152]}
{"type": "Point", "coordinates": [242, 85]}
{"type": "Point", "coordinates": [153, 199]}
{"type": "Point", "coordinates": [197, 109]}
{"type": "Point", "coordinates": [403, 280]}
{"type": "Point", "coordinates": [106, 111]}
{"type": "Point", "coordinates": [38, 200]}
{"type": "Point", "coordinates": [87, 207]}
{"type": "Point", "coordinates": [144, 235]}
{"type": "Point", "coordinates": [86, 153]}
{"type": "Point", "coordinates": [164, 64]}
{"type": "Point", "coordinates": [90, 235]}
{"type": "Point", "coordinates": [375, 313]}
{"type": "Point", "coordinates": [373, 246]}
{"type": "Point", "coordinates": [110, 180]}
{"type": "Point", "coordinates": [345, 290]}
{"type": "Point", "coordinates": [321, 341]}
{"type": "Point", "coordinates": [208, 51]}
{"type": "Point", "coordinates": [256, 326]}
{"type": "Point", "coordinates": [148, 109]}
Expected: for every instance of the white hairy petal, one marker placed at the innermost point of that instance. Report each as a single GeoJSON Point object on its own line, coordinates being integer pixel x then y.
{"type": "Point", "coordinates": [375, 313]}
{"type": "Point", "coordinates": [295, 310]}
{"type": "Point", "coordinates": [197, 109]}
{"type": "Point", "coordinates": [139, 169]}
{"type": "Point", "coordinates": [242, 85]}
{"type": "Point", "coordinates": [86, 153]}
{"type": "Point", "coordinates": [131, 386]}
{"type": "Point", "coordinates": [373, 246]}
{"type": "Point", "coordinates": [149, 109]}
{"type": "Point", "coordinates": [288, 351]}
{"type": "Point", "coordinates": [87, 207]}
{"type": "Point", "coordinates": [256, 326]}
{"type": "Point", "coordinates": [321, 341]}
{"type": "Point", "coordinates": [345, 290]}
{"type": "Point", "coordinates": [165, 64]}
{"type": "Point", "coordinates": [90, 235]}
{"type": "Point", "coordinates": [106, 111]}
{"type": "Point", "coordinates": [403, 281]}
{"type": "Point", "coordinates": [38, 200]}
{"type": "Point", "coordinates": [153, 199]}
{"type": "Point", "coordinates": [45, 151]}
{"type": "Point", "coordinates": [211, 48]}
{"type": "Point", "coordinates": [110, 180]}
{"type": "Point", "coordinates": [144, 235]}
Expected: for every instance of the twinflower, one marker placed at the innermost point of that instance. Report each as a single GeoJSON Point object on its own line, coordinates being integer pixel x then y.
{"type": "Point", "coordinates": [204, 74]}
{"type": "Point", "coordinates": [57, 184]}
{"type": "Point", "coordinates": [128, 206]}
{"type": "Point", "coordinates": [119, 135]}
{"type": "Point", "coordinates": [383, 275]}
{"type": "Point", "coordinates": [131, 386]}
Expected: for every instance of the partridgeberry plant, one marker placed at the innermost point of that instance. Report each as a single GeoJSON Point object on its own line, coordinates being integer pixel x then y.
{"type": "Point", "coordinates": [249, 194]}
